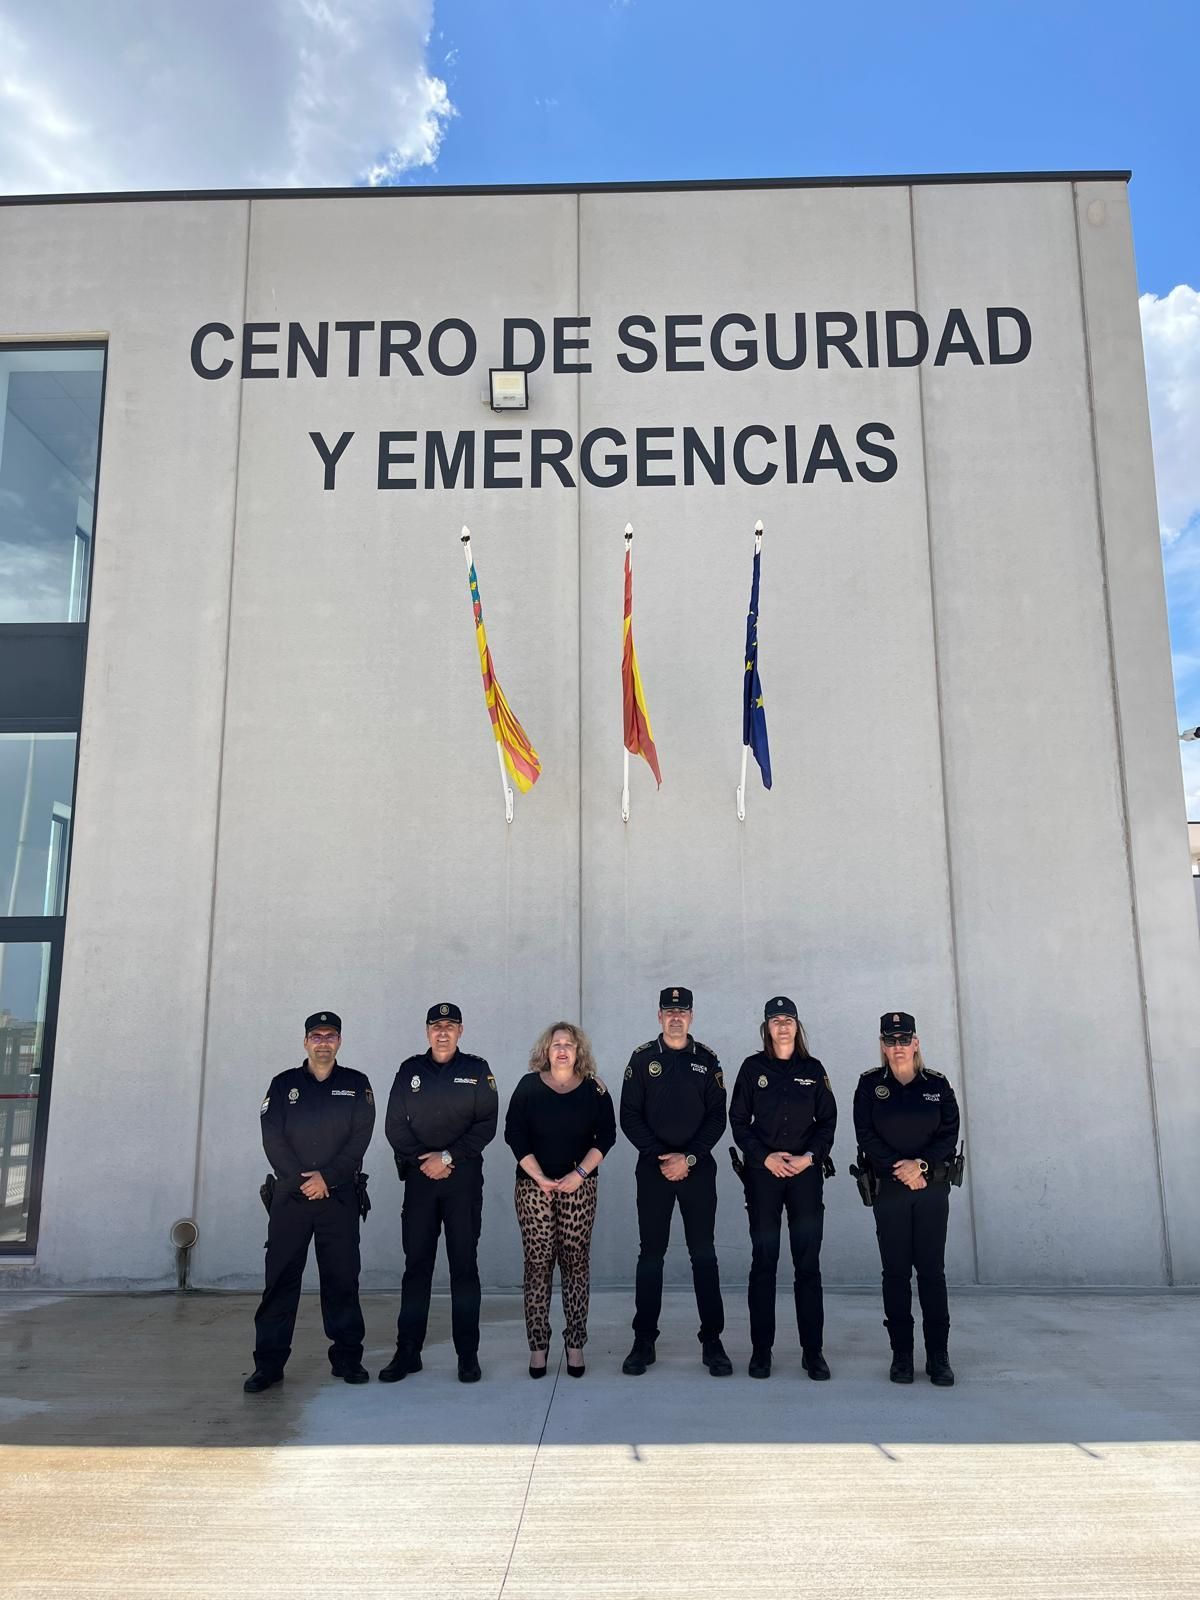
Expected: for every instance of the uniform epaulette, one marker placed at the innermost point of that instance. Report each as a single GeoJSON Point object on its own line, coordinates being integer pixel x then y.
{"type": "Point", "coordinates": [930, 1072]}
{"type": "Point", "coordinates": [870, 1070]}
{"type": "Point", "coordinates": [650, 1044]}
{"type": "Point", "coordinates": [704, 1050]}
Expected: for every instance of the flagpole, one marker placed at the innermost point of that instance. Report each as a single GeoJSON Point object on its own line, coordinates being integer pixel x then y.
{"type": "Point", "coordinates": [625, 769]}
{"type": "Point", "coordinates": [741, 788]}
{"type": "Point", "coordinates": [507, 792]}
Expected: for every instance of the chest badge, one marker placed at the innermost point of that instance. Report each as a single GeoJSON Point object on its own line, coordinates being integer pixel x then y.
{"type": "Point", "coordinates": [293, 1095]}
{"type": "Point", "coordinates": [882, 1092]}
{"type": "Point", "coordinates": [656, 1069]}
{"type": "Point", "coordinates": [762, 1080]}
{"type": "Point", "coordinates": [415, 1083]}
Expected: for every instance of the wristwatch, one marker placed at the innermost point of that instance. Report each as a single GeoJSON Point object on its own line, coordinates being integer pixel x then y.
{"type": "Point", "coordinates": [691, 1161]}
{"type": "Point", "coordinates": [447, 1158]}
{"type": "Point", "coordinates": [924, 1166]}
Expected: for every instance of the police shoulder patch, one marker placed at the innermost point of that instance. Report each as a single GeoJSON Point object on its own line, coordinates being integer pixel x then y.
{"type": "Point", "coordinates": [370, 1096]}
{"type": "Point", "coordinates": [629, 1072]}
{"type": "Point", "coordinates": [491, 1081]}
{"type": "Point", "coordinates": [720, 1077]}
{"type": "Point", "coordinates": [600, 1087]}
{"type": "Point", "coordinates": [265, 1106]}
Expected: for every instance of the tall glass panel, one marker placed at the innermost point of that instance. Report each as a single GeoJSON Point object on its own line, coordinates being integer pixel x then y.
{"type": "Point", "coordinates": [49, 441]}
{"type": "Point", "coordinates": [24, 981]}
{"type": "Point", "coordinates": [37, 775]}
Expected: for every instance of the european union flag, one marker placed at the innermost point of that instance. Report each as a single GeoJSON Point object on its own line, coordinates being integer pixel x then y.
{"type": "Point", "coordinates": [754, 716]}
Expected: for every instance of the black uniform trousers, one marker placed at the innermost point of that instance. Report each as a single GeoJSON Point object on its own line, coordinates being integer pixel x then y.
{"type": "Point", "coordinates": [697, 1197]}
{"type": "Point", "coordinates": [430, 1204]}
{"type": "Point", "coordinates": [767, 1197]}
{"type": "Point", "coordinates": [910, 1225]}
{"type": "Point", "coordinates": [293, 1222]}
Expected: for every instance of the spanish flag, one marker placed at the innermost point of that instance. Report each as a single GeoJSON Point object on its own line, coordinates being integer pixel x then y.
{"type": "Point", "coordinates": [639, 741]}
{"type": "Point", "coordinates": [520, 758]}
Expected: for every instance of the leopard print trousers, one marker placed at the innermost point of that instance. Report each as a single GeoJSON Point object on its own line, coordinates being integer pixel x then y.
{"type": "Point", "coordinates": [556, 1227]}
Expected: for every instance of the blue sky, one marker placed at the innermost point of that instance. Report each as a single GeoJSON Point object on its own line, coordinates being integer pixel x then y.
{"type": "Point", "coordinates": [131, 94]}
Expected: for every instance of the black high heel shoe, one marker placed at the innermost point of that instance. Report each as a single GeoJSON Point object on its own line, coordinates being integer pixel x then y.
{"type": "Point", "coordinates": [575, 1372]}
{"type": "Point", "coordinates": [539, 1372]}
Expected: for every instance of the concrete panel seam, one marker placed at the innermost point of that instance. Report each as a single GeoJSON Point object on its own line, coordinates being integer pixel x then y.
{"type": "Point", "coordinates": [220, 780]}
{"type": "Point", "coordinates": [1118, 733]}
{"type": "Point", "coordinates": [941, 725]}
{"type": "Point", "coordinates": [579, 629]}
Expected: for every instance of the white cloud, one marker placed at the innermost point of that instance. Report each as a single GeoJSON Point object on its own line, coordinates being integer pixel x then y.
{"type": "Point", "coordinates": [167, 94]}
{"type": "Point", "coordinates": [1171, 337]}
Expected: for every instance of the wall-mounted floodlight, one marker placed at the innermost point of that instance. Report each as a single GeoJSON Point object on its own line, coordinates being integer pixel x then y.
{"type": "Point", "coordinates": [1189, 734]}
{"type": "Point", "coordinates": [509, 389]}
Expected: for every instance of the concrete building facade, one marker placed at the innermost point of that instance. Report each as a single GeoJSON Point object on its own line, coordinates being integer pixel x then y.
{"type": "Point", "coordinates": [931, 393]}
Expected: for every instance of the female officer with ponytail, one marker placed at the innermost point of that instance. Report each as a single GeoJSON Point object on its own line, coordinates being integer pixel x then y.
{"type": "Point", "coordinates": [906, 1120]}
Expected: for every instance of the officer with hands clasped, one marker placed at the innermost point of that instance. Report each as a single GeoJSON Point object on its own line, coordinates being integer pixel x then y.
{"type": "Point", "coordinates": [906, 1121]}
{"type": "Point", "coordinates": [441, 1114]}
{"type": "Point", "coordinates": [316, 1125]}
{"type": "Point", "coordinates": [673, 1112]}
{"type": "Point", "coordinates": [783, 1115]}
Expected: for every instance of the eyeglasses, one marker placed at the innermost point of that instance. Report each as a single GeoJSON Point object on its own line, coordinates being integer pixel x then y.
{"type": "Point", "coordinates": [901, 1039]}
{"type": "Point", "coordinates": [324, 1038]}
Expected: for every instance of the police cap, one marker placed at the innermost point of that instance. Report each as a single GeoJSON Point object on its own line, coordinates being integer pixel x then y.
{"type": "Point", "coordinates": [444, 1011]}
{"type": "Point", "coordinates": [780, 1006]}
{"type": "Point", "coordinates": [323, 1019]}
{"type": "Point", "coordinates": [675, 1000]}
{"type": "Point", "coordinates": [893, 1022]}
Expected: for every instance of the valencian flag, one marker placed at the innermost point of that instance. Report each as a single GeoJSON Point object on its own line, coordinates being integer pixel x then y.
{"type": "Point", "coordinates": [521, 759]}
{"type": "Point", "coordinates": [639, 741]}
{"type": "Point", "coordinates": [754, 716]}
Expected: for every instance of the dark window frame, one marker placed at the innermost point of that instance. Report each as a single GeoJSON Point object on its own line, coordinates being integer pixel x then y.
{"type": "Point", "coordinates": [66, 718]}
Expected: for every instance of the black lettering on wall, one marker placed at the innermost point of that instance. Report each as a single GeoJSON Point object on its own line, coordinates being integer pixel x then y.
{"type": "Point", "coordinates": [865, 441]}
{"type": "Point", "coordinates": [223, 366]}
{"type": "Point", "coordinates": [818, 461]}
{"type": "Point", "coordinates": [740, 465]}
{"type": "Point", "coordinates": [798, 354]}
{"type": "Point", "coordinates": [957, 340]}
{"type": "Point", "coordinates": [676, 341]}
{"type": "Point", "coordinates": [512, 327]}
{"type": "Point", "coordinates": [390, 457]}
{"type": "Point", "coordinates": [998, 314]}
{"type": "Point", "coordinates": [892, 323]}
{"type": "Point", "coordinates": [871, 321]}
{"type": "Point", "coordinates": [330, 456]}
{"type": "Point", "coordinates": [562, 344]}
{"type": "Point", "coordinates": [493, 457]}
{"type": "Point", "coordinates": [355, 330]}
{"type": "Point", "coordinates": [297, 344]}
{"type": "Point", "coordinates": [694, 449]}
{"type": "Point", "coordinates": [829, 338]}
{"type": "Point", "coordinates": [403, 346]}
{"type": "Point", "coordinates": [618, 465]}
{"type": "Point", "coordinates": [747, 349]}
{"type": "Point", "coordinates": [646, 479]}
{"type": "Point", "coordinates": [437, 463]}
{"type": "Point", "coordinates": [542, 455]}
{"type": "Point", "coordinates": [251, 347]}
{"type": "Point", "coordinates": [451, 369]}
{"type": "Point", "coordinates": [627, 336]}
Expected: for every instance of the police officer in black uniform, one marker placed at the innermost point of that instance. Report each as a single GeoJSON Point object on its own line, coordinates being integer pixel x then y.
{"type": "Point", "coordinates": [673, 1112]}
{"type": "Point", "coordinates": [316, 1126]}
{"type": "Point", "coordinates": [784, 1116]}
{"type": "Point", "coordinates": [906, 1121]}
{"type": "Point", "coordinates": [441, 1113]}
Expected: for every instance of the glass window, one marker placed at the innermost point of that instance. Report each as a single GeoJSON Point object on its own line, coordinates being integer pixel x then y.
{"type": "Point", "coordinates": [37, 777]}
{"type": "Point", "coordinates": [24, 982]}
{"type": "Point", "coordinates": [49, 441]}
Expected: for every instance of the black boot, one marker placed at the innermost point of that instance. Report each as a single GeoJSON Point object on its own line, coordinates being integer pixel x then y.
{"type": "Point", "coordinates": [815, 1364]}
{"type": "Point", "coordinates": [401, 1364]}
{"type": "Point", "coordinates": [902, 1366]}
{"type": "Point", "coordinates": [712, 1353]}
{"type": "Point", "coordinates": [260, 1380]}
{"type": "Point", "coordinates": [639, 1358]}
{"type": "Point", "coordinates": [760, 1364]}
{"type": "Point", "coordinates": [937, 1365]}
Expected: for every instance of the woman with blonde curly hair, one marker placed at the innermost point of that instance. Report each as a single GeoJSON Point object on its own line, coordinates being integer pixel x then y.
{"type": "Point", "coordinates": [560, 1126]}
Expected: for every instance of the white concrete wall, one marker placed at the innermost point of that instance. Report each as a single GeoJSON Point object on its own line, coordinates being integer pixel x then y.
{"type": "Point", "coordinates": [288, 793]}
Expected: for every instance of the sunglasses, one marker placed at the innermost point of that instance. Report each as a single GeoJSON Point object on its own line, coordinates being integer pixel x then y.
{"type": "Point", "coordinates": [903, 1039]}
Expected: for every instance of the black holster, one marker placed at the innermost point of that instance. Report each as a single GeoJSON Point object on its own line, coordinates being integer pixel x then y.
{"type": "Point", "coordinates": [867, 1180]}
{"type": "Point", "coordinates": [361, 1195]}
{"type": "Point", "coordinates": [956, 1165]}
{"type": "Point", "coordinates": [266, 1191]}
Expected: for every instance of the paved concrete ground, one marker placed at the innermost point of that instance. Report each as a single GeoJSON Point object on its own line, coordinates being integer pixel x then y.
{"type": "Point", "coordinates": [1065, 1462]}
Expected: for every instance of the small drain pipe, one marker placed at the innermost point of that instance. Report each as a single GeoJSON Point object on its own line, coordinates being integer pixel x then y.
{"type": "Point", "coordinates": [184, 1234]}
